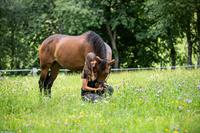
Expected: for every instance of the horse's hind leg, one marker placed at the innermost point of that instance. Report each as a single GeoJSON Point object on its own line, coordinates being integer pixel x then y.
{"type": "Point", "coordinates": [51, 78]}
{"type": "Point", "coordinates": [43, 76]}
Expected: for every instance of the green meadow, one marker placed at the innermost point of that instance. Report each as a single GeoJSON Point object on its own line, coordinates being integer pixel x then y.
{"type": "Point", "coordinates": [143, 102]}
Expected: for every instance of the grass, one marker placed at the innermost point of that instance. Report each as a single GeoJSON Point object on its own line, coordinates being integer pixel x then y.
{"type": "Point", "coordinates": [143, 101]}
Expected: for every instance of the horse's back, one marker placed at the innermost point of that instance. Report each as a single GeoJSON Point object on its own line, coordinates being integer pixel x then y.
{"type": "Point", "coordinates": [68, 51]}
{"type": "Point", "coordinates": [51, 40]}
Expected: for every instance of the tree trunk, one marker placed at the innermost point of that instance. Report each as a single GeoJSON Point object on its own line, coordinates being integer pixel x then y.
{"type": "Point", "coordinates": [189, 42]}
{"type": "Point", "coordinates": [1, 66]}
{"type": "Point", "coordinates": [113, 35]}
{"type": "Point", "coordinates": [173, 56]}
{"type": "Point", "coordinates": [198, 36]}
{"type": "Point", "coordinates": [12, 48]}
{"type": "Point", "coordinates": [172, 48]}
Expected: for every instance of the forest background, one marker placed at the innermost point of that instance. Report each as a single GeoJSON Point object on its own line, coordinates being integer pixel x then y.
{"type": "Point", "coordinates": [141, 33]}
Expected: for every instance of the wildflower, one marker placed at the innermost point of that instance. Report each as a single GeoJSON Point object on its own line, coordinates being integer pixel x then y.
{"type": "Point", "coordinates": [179, 98]}
{"type": "Point", "coordinates": [198, 87]}
{"type": "Point", "coordinates": [117, 87]}
{"type": "Point", "coordinates": [19, 131]}
{"type": "Point", "coordinates": [123, 82]}
{"type": "Point", "coordinates": [158, 92]}
{"type": "Point", "coordinates": [82, 104]}
{"type": "Point", "coordinates": [29, 125]}
{"type": "Point", "coordinates": [185, 131]}
{"type": "Point", "coordinates": [175, 131]}
{"type": "Point", "coordinates": [157, 95]}
{"type": "Point", "coordinates": [66, 122]}
{"type": "Point", "coordinates": [140, 90]}
{"type": "Point", "coordinates": [188, 110]}
{"type": "Point", "coordinates": [43, 124]}
{"type": "Point", "coordinates": [179, 85]}
{"type": "Point", "coordinates": [166, 129]}
{"type": "Point", "coordinates": [180, 108]}
{"type": "Point", "coordinates": [188, 101]}
{"type": "Point", "coordinates": [82, 113]}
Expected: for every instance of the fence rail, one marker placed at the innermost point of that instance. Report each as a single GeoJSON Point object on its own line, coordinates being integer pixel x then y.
{"type": "Point", "coordinates": [35, 71]}
{"type": "Point", "coordinates": [156, 68]}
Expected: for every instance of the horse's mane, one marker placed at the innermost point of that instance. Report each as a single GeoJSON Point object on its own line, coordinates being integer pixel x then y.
{"type": "Point", "coordinates": [97, 43]}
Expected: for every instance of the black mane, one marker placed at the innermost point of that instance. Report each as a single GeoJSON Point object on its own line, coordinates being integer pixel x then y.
{"type": "Point", "coordinates": [97, 43]}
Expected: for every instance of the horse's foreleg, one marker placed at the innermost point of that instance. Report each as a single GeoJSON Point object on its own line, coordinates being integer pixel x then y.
{"type": "Point", "coordinates": [51, 78]}
{"type": "Point", "coordinates": [43, 76]}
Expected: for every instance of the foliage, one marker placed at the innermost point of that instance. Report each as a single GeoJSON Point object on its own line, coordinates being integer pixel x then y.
{"type": "Point", "coordinates": [141, 33]}
{"type": "Point", "coordinates": [172, 20]}
{"type": "Point", "coordinates": [143, 101]}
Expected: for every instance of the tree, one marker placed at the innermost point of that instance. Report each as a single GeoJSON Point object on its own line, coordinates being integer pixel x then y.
{"type": "Point", "coordinates": [13, 20]}
{"type": "Point", "coordinates": [169, 25]}
{"type": "Point", "coordinates": [25, 23]}
{"type": "Point", "coordinates": [108, 16]}
{"type": "Point", "coordinates": [197, 10]}
{"type": "Point", "coordinates": [141, 33]}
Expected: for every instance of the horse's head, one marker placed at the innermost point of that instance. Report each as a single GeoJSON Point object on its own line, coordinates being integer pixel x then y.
{"type": "Point", "coordinates": [99, 68]}
{"type": "Point", "coordinates": [103, 68]}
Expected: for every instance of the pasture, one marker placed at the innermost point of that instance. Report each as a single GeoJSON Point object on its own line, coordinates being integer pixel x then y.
{"type": "Point", "coordinates": [143, 101]}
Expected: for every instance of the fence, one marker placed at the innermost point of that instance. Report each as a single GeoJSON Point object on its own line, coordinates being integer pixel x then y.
{"type": "Point", "coordinates": [35, 71]}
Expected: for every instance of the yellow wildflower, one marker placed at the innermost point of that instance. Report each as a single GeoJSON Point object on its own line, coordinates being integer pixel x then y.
{"type": "Point", "coordinates": [175, 131]}
{"type": "Point", "coordinates": [166, 129]}
{"type": "Point", "coordinates": [19, 131]}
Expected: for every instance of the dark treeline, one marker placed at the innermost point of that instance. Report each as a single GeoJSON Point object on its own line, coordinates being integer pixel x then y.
{"type": "Point", "coordinates": [142, 33]}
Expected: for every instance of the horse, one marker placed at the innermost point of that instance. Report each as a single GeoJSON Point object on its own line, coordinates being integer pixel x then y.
{"type": "Point", "coordinates": [65, 51]}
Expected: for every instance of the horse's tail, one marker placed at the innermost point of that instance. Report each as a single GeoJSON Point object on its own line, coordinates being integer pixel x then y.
{"type": "Point", "coordinates": [39, 53]}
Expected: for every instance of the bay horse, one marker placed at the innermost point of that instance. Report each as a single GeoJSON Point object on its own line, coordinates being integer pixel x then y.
{"type": "Point", "coordinates": [64, 51]}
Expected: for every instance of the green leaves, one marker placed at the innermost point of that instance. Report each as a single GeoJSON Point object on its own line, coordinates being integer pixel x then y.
{"type": "Point", "coordinates": [134, 25]}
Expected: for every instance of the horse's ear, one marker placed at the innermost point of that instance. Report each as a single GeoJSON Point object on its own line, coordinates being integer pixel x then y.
{"type": "Point", "coordinates": [98, 59]}
{"type": "Point", "coordinates": [111, 62]}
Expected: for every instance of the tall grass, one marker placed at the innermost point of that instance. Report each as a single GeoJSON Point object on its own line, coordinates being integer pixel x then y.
{"type": "Point", "coordinates": [143, 101]}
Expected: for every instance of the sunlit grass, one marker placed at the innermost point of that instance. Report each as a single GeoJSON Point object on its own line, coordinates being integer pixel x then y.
{"type": "Point", "coordinates": [143, 101]}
